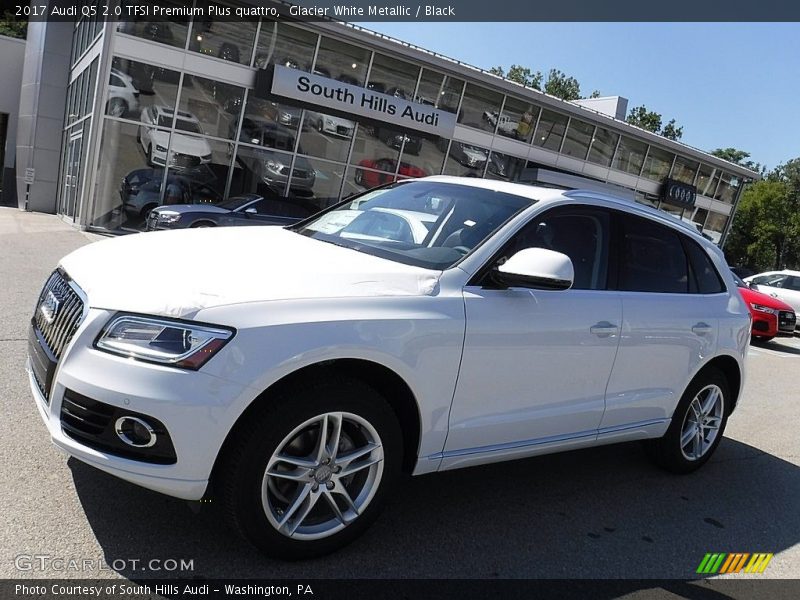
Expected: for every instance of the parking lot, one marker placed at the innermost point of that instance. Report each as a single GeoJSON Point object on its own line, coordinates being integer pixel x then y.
{"type": "Point", "coordinates": [597, 513]}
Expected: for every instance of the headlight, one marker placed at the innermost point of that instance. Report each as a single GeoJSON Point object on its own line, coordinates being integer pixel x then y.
{"type": "Point", "coordinates": [764, 309]}
{"type": "Point", "coordinates": [168, 216]}
{"type": "Point", "coordinates": [274, 166]}
{"type": "Point", "coordinates": [175, 343]}
{"type": "Point", "coordinates": [328, 121]}
{"type": "Point", "coordinates": [160, 148]}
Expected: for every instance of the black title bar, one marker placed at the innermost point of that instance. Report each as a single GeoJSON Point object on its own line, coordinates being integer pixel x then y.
{"type": "Point", "coordinates": [399, 10]}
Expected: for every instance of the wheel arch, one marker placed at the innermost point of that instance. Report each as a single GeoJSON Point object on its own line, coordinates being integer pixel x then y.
{"type": "Point", "coordinates": [381, 378]}
{"type": "Point", "coordinates": [729, 367]}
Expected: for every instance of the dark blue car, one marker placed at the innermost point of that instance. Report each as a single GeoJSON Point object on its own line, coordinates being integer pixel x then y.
{"type": "Point", "coordinates": [248, 209]}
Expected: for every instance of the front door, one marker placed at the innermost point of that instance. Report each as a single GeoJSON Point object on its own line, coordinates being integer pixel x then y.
{"type": "Point", "coordinates": [536, 363]}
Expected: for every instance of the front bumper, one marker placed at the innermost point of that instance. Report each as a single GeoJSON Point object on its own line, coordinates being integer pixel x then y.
{"type": "Point", "coordinates": [195, 407]}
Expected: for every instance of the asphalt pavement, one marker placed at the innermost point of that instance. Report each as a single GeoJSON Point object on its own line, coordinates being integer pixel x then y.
{"type": "Point", "coordinates": [597, 513]}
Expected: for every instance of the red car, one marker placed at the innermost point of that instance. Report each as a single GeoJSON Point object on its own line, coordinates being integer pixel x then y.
{"type": "Point", "coordinates": [371, 179]}
{"type": "Point", "coordinates": [771, 316]}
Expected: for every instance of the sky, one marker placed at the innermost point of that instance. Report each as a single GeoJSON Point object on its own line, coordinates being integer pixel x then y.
{"type": "Point", "coordinates": [728, 84]}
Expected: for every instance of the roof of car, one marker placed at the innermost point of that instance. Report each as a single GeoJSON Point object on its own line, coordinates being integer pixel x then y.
{"type": "Point", "coordinates": [545, 194]}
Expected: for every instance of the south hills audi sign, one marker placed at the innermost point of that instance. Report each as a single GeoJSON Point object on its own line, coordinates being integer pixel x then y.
{"type": "Point", "coordinates": [350, 101]}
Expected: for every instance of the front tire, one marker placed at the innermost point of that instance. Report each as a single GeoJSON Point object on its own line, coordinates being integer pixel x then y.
{"type": "Point", "coordinates": [697, 424]}
{"type": "Point", "coordinates": [309, 471]}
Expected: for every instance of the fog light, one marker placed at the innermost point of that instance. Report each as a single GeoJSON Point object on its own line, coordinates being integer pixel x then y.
{"type": "Point", "coordinates": [135, 432]}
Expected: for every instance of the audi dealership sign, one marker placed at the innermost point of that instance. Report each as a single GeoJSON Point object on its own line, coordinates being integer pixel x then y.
{"type": "Point", "coordinates": [323, 93]}
{"type": "Point", "coordinates": [678, 193]}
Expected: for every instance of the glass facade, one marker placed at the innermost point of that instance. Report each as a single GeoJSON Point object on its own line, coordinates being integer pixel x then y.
{"type": "Point", "coordinates": [187, 127]}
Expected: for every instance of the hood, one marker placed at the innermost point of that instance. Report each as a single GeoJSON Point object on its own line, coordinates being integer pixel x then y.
{"type": "Point", "coordinates": [190, 208]}
{"type": "Point", "coordinates": [176, 273]}
{"type": "Point", "coordinates": [765, 299]}
{"type": "Point", "coordinates": [186, 144]}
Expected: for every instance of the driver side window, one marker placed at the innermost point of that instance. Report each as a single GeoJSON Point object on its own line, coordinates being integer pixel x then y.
{"type": "Point", "coordinates": [581, 233]}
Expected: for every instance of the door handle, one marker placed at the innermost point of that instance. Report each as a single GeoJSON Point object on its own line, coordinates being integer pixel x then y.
{"type": "Point", "coordinates": [603, 329]}
{"type": "Point", "coordinates": [701, 328]}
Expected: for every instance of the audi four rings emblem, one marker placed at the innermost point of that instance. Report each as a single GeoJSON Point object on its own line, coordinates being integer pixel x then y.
{"type": "Point", "coordinates": [681, 194]}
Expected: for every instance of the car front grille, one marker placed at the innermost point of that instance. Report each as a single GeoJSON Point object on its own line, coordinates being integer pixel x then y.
{"type": "Point", "coordinates": [787, 320]}
{"type": "Point", "coordinates": [185, 160]}
{"type": "Point", "coordinates": [341, 130]}
{"type": "Point", "coordinates": [59, 311]}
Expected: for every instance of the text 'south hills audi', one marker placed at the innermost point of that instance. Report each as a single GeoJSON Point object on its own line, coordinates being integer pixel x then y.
{"type": "Point", "coordinates": [429, 325]}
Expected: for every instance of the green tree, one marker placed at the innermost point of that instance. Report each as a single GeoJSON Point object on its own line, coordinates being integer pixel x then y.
{"type": "Point", "coordinates": [738, 157]}
{"type": "Point", "coordinates": [521, 75]}
{"type": "Point", "coordinates": [646, 119]}
{"type": "Point", "coordinates": [671, 132]}
{"type": "Point", "coordinates": [651, 121]}
{"type": "Point", "coordinates": [13, 27]}
{"type": "Point", "coordinates": [765, 233]}
{"type": "Point", "coordinates": [562, 86]}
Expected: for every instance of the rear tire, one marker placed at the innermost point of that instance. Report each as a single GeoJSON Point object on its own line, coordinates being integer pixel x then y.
{"type": "Point", "coordinates": [320, 500]}
{"type": "Point", "coordinates": [697, 424]}
{"type": "Point", "coordinates": [763, 338]}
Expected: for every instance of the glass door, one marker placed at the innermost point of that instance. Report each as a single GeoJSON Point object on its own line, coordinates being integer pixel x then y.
{"type": "Point", "coordinates": [72, 169]}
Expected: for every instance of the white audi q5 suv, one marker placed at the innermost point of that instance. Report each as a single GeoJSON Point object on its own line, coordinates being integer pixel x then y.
{"type": "Point", "coordinates": [296, 372]}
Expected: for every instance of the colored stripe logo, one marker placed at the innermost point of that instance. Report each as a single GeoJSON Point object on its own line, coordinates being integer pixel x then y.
{"type": "Point", "coordinates": [734, 562]}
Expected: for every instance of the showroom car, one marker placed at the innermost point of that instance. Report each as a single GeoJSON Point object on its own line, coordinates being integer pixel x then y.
{"type": "Point", "coordinates": [410, 144]}
{"type": "Point", "coordinates": [784, 285]}
{"type": "Point", "coordinates": [248, 209]}
{"type": "Point", "coordinates": [294, 374]}
{"type": "Point", "coordinates": [186, 150]}
{"type": "Point", "coordinates": [140, 190]}
{"type": "Point", "coordinates": [329, 124]}
{"type": "Point", "coordinates": [771, 316]}
{"type": "Point", "coordinates": [370, 179]}
{"type": "Point", "coordinates": [123, 97]}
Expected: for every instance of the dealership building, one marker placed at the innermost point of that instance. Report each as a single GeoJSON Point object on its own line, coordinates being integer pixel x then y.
{"type": "Point", "coordinates": [118, 117]}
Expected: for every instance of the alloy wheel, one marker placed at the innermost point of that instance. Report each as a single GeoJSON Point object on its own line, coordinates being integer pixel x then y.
{"type": "Point", "coordinates": [322, 476]}
{"type": "Point", "coordinates": [702, 422]}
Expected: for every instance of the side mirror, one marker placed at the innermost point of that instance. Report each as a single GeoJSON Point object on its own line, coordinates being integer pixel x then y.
{"type": "Point", "coordinates": [250, 211]}
{"type": "Point", "coordinates": [537, 268]}
{"type": "Point", "coordinates": [753, 285]}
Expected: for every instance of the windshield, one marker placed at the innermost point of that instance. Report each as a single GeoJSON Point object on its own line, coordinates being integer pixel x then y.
{"type": "Point", "coordinates": [236, 202]}
{"type": "Point", "coordinates": [190, 126]}
{"type": "Point", "coordinates": [421, 223]}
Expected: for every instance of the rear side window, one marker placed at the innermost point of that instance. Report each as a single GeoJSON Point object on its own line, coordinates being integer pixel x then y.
{"type": "Point", "coordinates": [706, 278]}
{"type": "Point", "coordinates": [653, 259]}
{"type": "Point", "coordinates": [792, 283]}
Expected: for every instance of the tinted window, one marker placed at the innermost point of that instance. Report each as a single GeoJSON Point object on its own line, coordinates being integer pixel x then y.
{"type": "Point", "coordinates": [705, 275]}
{"type": "Point", "coordinates": [792, 283]}
{"type": "Point", "coordinates": [581, 234]}
{"type": "Point", "coordinates": [774, 280]}
{"type": "Point", "coordinates": [653, 259]}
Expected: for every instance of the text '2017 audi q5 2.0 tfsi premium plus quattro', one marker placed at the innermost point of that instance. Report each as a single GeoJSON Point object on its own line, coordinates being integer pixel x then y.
{"type": "Point", "coordinates": [295, 373]}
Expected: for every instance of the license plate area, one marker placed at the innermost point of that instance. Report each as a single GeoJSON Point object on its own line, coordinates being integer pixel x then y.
{"type": "Point", "coordinates": [43, 363]}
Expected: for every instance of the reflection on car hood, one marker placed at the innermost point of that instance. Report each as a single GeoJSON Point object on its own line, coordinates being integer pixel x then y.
{"type": "Point", "coordinates": [190, 208]}
{"type": "Point", "coordinates": [177, 273]}
{"type": "Point", "coordinates": [186, 144]}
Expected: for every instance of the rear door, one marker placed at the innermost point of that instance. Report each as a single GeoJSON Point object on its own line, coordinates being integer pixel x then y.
{"type": "Point", "coordinates": [672, 297]}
